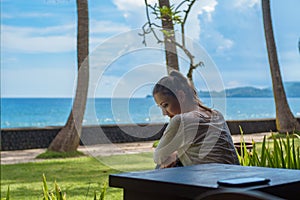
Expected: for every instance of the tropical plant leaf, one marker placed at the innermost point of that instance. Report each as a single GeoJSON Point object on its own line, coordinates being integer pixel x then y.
{"type": "Point", "coordinates": [45, 189]}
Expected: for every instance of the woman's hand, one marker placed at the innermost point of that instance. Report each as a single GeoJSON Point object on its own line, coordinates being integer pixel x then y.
{"type": "Point", "coordinates": [173, 164]}
{"type": "Point", "coordinates": [170, 162]}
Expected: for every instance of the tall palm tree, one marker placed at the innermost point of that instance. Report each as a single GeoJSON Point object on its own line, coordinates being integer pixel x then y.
{"type": "Point", "coordinates": [285, 120]}
{"type": "Point", "coordinates": [68, 138]}
{"type": "Point", "coordinates": [167, 25]}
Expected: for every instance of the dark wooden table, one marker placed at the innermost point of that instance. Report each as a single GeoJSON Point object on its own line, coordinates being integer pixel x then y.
{"type": "Point", "coordinates": [189, 182]}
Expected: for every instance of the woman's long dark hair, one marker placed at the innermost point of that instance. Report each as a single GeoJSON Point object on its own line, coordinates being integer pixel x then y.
{"type": "Point", "coordinates": [175, 81]}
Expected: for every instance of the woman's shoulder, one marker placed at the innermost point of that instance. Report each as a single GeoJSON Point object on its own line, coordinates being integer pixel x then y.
{"type": "Point", "coordinates": [176, 118]}
{"type": "Point", "coordinates": [217, 114]}
{"type": "Point", "coordinates": [184, 117]}
{"type": "Point", "coordinates": [202, 116]}
{"type": "Point", "coordinates": [194, 115]}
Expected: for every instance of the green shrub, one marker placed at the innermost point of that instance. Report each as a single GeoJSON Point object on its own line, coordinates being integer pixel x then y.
{"type": "Point", "coordinates": [58, 195]}
{"type": "Point", "coordinates": [280, 152]}
{"type": "Point", "coordinates": [50, 195]}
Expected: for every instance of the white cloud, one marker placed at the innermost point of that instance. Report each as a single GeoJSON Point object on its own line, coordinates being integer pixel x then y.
{"type": "Point", "coordinates": [26, 15]}
{"type": "Point", "coordinates": [134, 11]}
{"type": "Point", "coordinates": [219, 42]}
{"type": "Point", "coordinates": [245, 3]}
{"type": "Point", "coordinates": [107, 27]}
{"type": "Point", "coordinates": [232, 26]}
{"type": "Point", "coordinates": [37, 40]}
{"type": "Point", "coordinates": [50, 30]}
{"type": "Point", "coordinates": [207, 8]}
{"type": "Point", "coordinates": [224, 44]}
{"type": "Point", "coordinates": [131, 5]}
{"type": "Point", "coordinates": [54, 39]}
{"type": "Point", "coordinates": [52, 44]}
{"type": "Point", "coordinates": [6, 16]}
{"type": "Point", "coordinates": [100, 30]}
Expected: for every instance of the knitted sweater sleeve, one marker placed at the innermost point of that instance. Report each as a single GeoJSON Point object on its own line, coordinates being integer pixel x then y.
{"type": "Point", "coordinates": [170, 141]}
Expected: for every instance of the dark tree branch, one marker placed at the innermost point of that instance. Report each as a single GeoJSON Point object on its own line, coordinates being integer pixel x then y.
{"type": "Point", "coordinates": [184, 20]}
{"type": "Point", "coordinates": [148, 28]}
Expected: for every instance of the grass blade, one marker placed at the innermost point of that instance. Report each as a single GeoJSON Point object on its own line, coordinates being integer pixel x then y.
{"type": "Point", "coordinates": [288, 151]}
{"type": "Point", "coordinates": [103, 191]}
{"type": "Point", "coordinates": [8, 193]}
{"type": "Point", "coordinates": [45, 188]}
{"type": "Point", "coordinates": [263, 158]}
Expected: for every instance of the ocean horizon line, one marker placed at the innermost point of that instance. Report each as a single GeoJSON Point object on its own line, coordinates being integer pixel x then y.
{"type": "Point", "coordinates": [213, 97]}
{"type": "Point", "coordinates": [41, 112]}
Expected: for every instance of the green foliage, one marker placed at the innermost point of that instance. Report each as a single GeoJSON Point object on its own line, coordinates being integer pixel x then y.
{"type": "Point", "coordinates": [165, 13]}
{"type": "Point", "coordinates": [7, 194]}
{"type": "Point", "coordinates": [278, 153]}
{"type": "Point", "coordinates": [155, 143]}
{"type": "Point", "coordinates": [53, 154]}
{"type": "Point", "coordinates": [295, 134]}
{"type": "Point", "coordinates": [51, 195]}
{"type": "Point", "coordinates": [58, 195]}
{"type": "Point", "coordinates": [168, 13]}
{"type": "Point", "coordinates": [102, 192]}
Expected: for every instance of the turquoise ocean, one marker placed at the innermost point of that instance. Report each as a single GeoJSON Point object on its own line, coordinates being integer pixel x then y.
{"type": "Point", "coordinates": [43, 112]}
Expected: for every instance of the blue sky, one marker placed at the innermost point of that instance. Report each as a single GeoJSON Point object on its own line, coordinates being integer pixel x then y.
{"type": "Point", "coordinates": [38, 46]}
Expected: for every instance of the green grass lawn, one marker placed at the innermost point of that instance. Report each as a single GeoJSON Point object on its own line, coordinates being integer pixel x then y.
{"type": "Point", "coordinates": [77, 177]}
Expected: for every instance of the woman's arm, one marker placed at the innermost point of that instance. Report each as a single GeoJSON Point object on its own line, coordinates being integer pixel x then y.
{"type": "Point", "coordinates": [169, 143]}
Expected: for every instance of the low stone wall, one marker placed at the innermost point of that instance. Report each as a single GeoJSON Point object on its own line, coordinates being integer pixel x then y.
{"type": "Point", "coordinates": [251, 126]}
{"type": "Point", "coordinates": [31, 138]}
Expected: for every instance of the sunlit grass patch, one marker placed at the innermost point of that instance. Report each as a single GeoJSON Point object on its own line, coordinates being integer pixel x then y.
{"type": "Point", "coordinates": [53, 154]}
{"type": "Point", "coordinates": [78, 177]}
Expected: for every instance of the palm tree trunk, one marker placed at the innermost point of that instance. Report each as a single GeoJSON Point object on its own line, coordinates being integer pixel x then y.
{"type": "Point", "coordinates": [68, 138]}
{"type": "Point", "coordinates": [285, 121]}
{"type": "Point", "coordinates": [171, 52]}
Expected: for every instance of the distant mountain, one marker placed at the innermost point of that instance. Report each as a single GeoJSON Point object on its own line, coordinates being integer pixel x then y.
{"type": "Point", "coordinates": [292, 89]}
